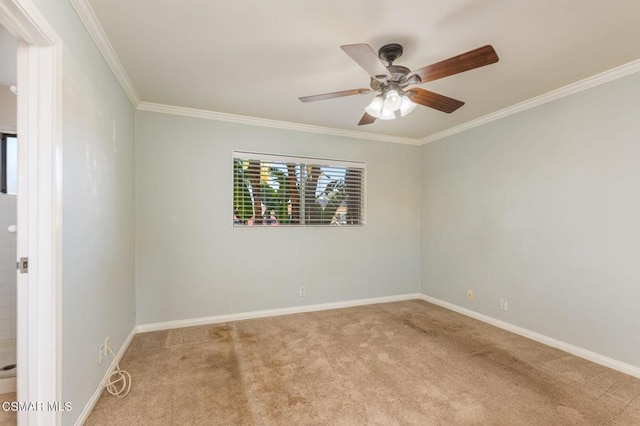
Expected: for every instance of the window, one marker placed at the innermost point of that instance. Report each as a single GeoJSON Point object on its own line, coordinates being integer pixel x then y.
{"type": "Point", "coordinates": [8, 164]}
{"type": "Point", "coordinates": [289, 191]}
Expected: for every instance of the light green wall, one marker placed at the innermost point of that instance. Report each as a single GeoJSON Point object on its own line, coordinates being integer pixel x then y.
{"type": "Point", "coordinates": [98, 208]}
{"type": "Point", "coordinates": [542, 208]}
{"type": "Point", "coordinates": [191, 263]}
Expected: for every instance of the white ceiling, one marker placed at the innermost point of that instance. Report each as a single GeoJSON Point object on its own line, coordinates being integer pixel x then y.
{"type": "Point", "coordinates": [256, 57]}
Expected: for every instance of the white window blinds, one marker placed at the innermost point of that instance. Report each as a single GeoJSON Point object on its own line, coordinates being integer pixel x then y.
{"type": "Point", "coordinates": [272, 190]}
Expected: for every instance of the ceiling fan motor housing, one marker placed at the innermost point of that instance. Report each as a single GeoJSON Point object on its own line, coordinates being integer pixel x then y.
{"type": "Point", "coordinates": [391, 52]}
{"type": "Point", "coordinates": [398, 78]}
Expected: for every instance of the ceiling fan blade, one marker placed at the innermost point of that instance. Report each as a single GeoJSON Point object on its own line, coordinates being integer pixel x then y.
{"type": "Point", "coordinates": [334, 95]}
{"type": "Point", "coordinates": [366, 58]}
{"type": "Point", "coordinates": [366, 119]}
{"type": "Point", "coordinates": [476, 58]}
{"type": "Point", "coordinates": [434, 100]}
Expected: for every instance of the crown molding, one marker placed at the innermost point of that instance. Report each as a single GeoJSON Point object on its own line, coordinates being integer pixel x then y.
{"type": "Point", "coordinates": [275, 124]}
{"type": "Point", "coordinates": [570, 89]}
{"type": "Point", "coordinates": [87, 16]}
{"type": "Point", "coordinates": [91, 23]}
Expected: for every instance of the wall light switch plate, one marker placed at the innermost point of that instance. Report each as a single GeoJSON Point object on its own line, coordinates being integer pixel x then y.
{"type": "Point", "coordinates": [504, 305]}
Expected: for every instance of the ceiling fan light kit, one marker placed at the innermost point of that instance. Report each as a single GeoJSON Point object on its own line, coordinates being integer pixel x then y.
{"type": "Point", "coordinates": [393, 81]}
{"type": "Point", "coordinates": [375, 107]}
{"type": "Point", "coordinates": [407, 106]}
{"type": "Point", "coordinates": [386, 107]}
{"type": "Point", "coordinates": [386, 114]}
{"type": "Point", "coordinates": [392, 100]}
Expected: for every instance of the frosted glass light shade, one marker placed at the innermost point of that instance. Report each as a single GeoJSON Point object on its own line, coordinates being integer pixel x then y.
{"type": "Point", "coordinates": [392, 101]}
{"type": "Point", "coordinates": [407, 106]}
{"type": "Point", "coordinates": [386, 114]}
{"type": "Point", "coordinates": [375, 107]}
{"type": "Point", "coordinates": [385, 106]}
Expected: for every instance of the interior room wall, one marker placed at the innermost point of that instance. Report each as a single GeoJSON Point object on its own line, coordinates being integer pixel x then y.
{"type": "Point", "coordinates": [192, 263]}
{"type": "Point", "coordinates": [8, 110]}
{"type": "Point", "coordinates": [98, 209]}
{"type": "Point", "coordinates": [8, 120]}
{"type": "Point", "coordinates": [7, 270]}
{"type": "Point", "coordinates": [541, 208]}
{"type": "Point", "coordinates": [8, 215]}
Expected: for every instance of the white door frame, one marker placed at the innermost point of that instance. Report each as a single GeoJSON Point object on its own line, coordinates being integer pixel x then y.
{"type": "Point", "coordinates": [39, 84]}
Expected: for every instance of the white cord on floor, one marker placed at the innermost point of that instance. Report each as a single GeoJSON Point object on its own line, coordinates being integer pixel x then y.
{"type": "Point", "coordinates": [118, 382]}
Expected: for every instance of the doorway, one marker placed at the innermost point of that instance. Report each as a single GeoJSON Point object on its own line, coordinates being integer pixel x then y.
{"type": "Point", "coordinates": [8, 213]}
{"type": "Point", "coordinates": [39, 208]}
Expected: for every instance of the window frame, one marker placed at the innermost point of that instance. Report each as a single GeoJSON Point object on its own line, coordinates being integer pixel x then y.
{"type": "Point", "coordinates": [284, 158]}
{"type": "Point", "coordinates": [3, 161]}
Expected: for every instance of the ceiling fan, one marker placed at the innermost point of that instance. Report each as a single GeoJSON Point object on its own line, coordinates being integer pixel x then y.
{"type": "Point", "coordinates": [393, 81]}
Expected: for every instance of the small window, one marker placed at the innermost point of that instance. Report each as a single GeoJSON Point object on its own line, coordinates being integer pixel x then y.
{"type": "Point", "coordinates": [8, 164]}
{"type": "Point", "coordinates": [270, 190]}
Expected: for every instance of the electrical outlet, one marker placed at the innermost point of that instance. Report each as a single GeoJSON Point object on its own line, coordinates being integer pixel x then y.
{"type": "Point", "coordinates": [470, 294]}
{"type": "Point", "coordinates": [302, 292]}
{"type": "Point", "coordinates": [503, 305]}
{"type": "Point", "coordinates": [101, 354]}
{"type": "Point", "coordinates": [104, 350]}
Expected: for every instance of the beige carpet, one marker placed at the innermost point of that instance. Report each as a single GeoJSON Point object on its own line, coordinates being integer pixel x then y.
{"type": "Point", "coordinates": [405, 363]}
{"type": "Point", "coordinates": [8, 418]}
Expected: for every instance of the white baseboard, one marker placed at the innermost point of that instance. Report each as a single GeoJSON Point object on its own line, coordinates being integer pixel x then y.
{"type": "Point", "coordinates": [566, 347]}
{"type": "Point", "coordinates": [8, 385]}
{"type": "Point", "coordinates": [96, 394]}
{"type": "Point", "coordinates": [549, 341]}
{"type": "Point", "coordinates": [272, 313]}
{"type": "Point", "coordinates": [225, 318]}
